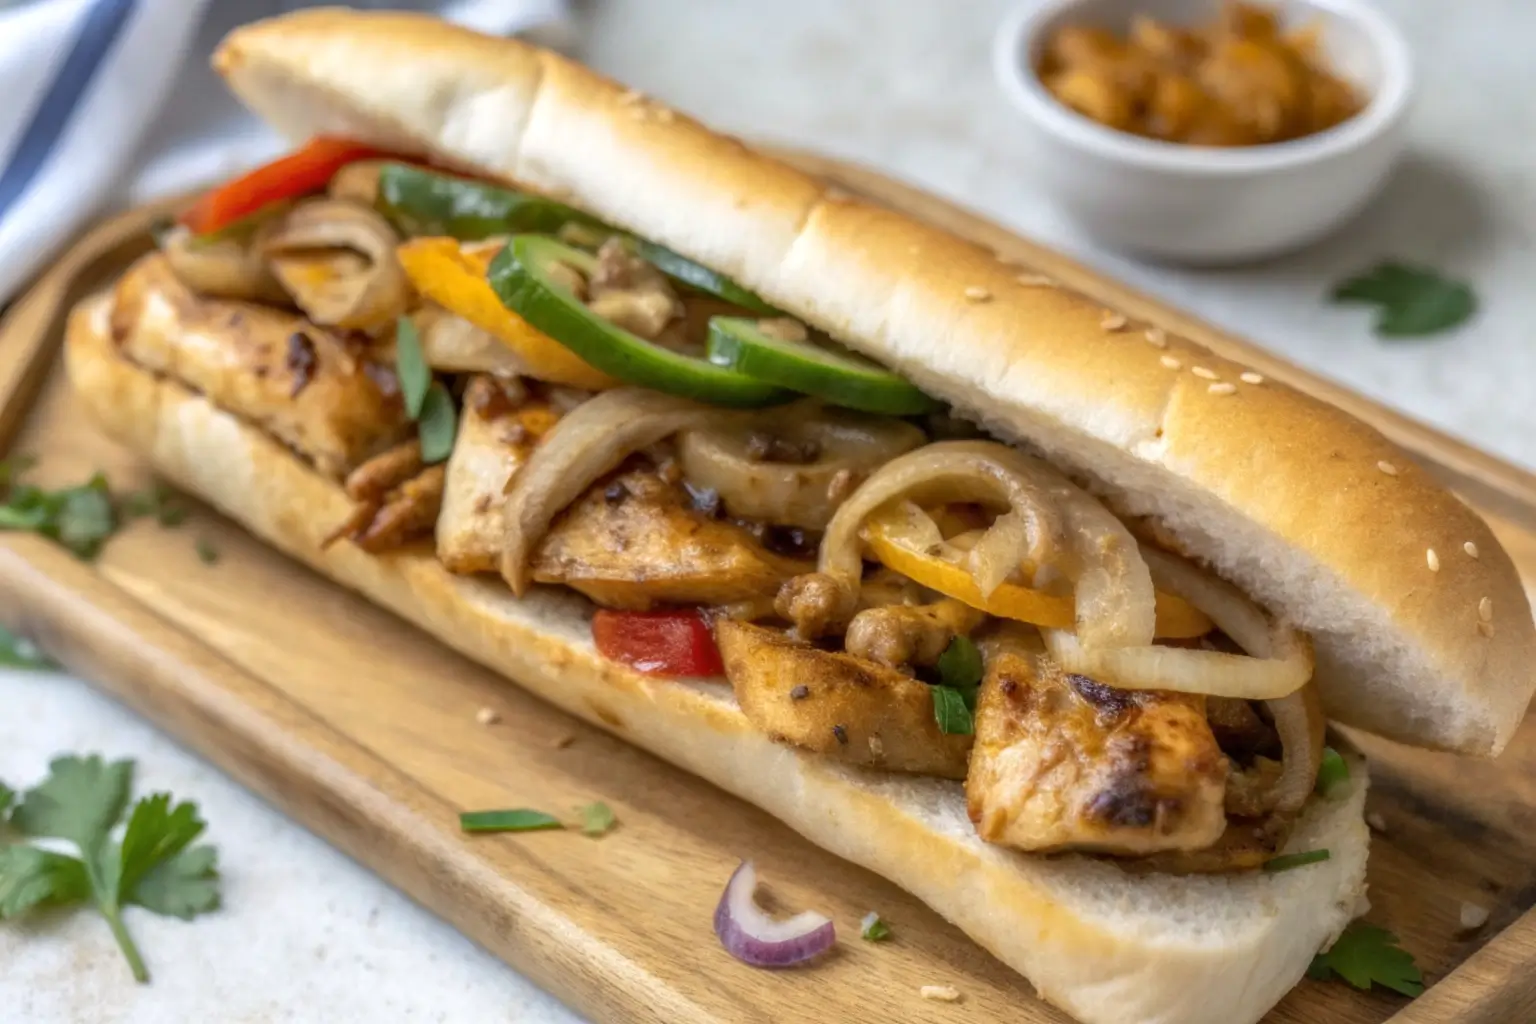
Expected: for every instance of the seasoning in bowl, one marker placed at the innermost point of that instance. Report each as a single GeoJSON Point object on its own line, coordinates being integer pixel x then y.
{"type": "Point", "coordinates": [1244, 79]}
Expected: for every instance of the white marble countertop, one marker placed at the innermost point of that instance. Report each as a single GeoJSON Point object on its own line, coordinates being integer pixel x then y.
{"type": "Point", "coordinates": [903, 85]}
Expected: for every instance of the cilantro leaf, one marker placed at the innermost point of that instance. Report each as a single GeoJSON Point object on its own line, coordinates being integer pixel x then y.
{"type": "Point", "coordinates": [960, 664]}
{"type": "Point", "coordinates": [156, 833]}
{"type": "Point", "coordinates": [1367, 955]}
{"type": "Point", "coordinates": [30, 876]}
{"type": "Point", "coordinates": [183, 886]}
{"type": "Point", "coordinates": [597, 819]}
{"type": "Point", "coordinates": [952, 712]}
{"type": "Point", "coordinates": [81, 800]}
{"type": "Point", "coordinates": [411, 367]}
{"type": "Point", "coordinates": [437, 426]}
{"type": "Point", "coordinates": [1411, 301]}
{"type": "Point", "coordinates": [81, 518]}
{"type": "Point", "coordinates": [19, 652]}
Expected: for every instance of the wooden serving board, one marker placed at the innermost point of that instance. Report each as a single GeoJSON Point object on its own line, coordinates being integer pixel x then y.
{"type": "Point", "coordinates": [365, 730]}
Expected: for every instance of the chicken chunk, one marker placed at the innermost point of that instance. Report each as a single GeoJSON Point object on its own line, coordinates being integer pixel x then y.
{"type": "Point", "coordinates": [1066, 763]}
{"type": "Point", "coordinates": [634, 541]}
{"type": "Point", "coordinates": [909, 635]}
{"type": "Point", "coordinates": [630, 292]}
{"type": "Point", "coordinates": [397, 500]}
{"type": "Point", "coordinates": [498, 430]}
{"type": "Point", "coordinates": [835, 704]}
{"type": "Point", "coordinates": [307, 387]}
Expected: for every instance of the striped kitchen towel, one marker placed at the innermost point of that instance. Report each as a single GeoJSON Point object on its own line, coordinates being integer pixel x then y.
{"type": "Point", "coordinates": [111, 102]}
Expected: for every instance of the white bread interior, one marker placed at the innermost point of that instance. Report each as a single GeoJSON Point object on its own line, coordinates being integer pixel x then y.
{"type": "Point", "coordinates": [1106, 946]}
{"type": "Point", "coordinates": [1312, 512]}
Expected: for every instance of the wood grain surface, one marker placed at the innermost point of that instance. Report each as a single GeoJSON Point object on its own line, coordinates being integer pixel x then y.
{"type": "Point", "coordinates": [365, 731]}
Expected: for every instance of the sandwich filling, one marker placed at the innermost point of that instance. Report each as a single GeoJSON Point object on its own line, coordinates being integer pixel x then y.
{"type": "Point", "coordinates": [534, 394]}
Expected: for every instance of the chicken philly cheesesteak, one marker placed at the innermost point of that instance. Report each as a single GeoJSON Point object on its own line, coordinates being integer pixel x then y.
{"type": "Point", "coordinates": [1035, 610]}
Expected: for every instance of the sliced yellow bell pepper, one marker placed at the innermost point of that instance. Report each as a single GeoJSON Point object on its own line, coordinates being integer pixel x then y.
{"type": "Point", "coordinates": [1176, 618]}
{"type": "Point", "coordinates": [453, 276]}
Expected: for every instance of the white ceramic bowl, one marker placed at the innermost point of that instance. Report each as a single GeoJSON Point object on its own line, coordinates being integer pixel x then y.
{"type": "Point", "coordinates": [1200, 204]}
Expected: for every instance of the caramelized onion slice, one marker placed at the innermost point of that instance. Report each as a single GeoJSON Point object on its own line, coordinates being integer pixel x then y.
{"type": "Point", "coordinates": [1280, 661]}
{"type": "Point", "coordinates": [588, 442]}
{"type": "Point", "coordinates": [1044, 520]}
{"type": "Point", "coordinates": [845, 448]}
{"type": "Point", "coordinates": [1299, 721]}
{"type": "Point", "coordinates": [337, 259]}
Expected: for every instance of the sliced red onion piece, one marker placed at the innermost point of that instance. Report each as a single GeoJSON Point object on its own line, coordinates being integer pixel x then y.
{"type": "Point", "coordinates": [751, 936]}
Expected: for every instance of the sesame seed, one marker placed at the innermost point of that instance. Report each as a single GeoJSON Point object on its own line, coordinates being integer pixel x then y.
{"type": "Point", "coordinates": [1203, 373]}
{"type": "Point", "coordinates": [1252, 378]}
{"type": "Point", "coordinates": [1387, 467]}
{"type": "Point", "coordinates": [1473, 916]}
{"type": "Point", "coordinates": [1222, 389]}
{"type": "Point", "coordinates": [630, 97]}
{"type": "Point", "coordinates": [1433, 560]}
{"type": "Point", "coordinates": [1171, 362]}
{"type": "Point", "coordinates": [1035, 281]}
{"type": "Point", "coordinates": [1485, 609]}
{"type": "Point", "coordinates": [1470, 548]}
{"type": "Point", "coordinates": [1112, 321]}
{"type": "Point", "coordinates": [1376, 821]}
{"type": "Point", "coordinates": [940, 993]}
{"type": "Point", "coordinates": [487, 716]}
{"type": "Point", "coordinates": [977, 294]}
{"type": "Point", "coordinates": [1156, 337]}
{"type": "Point", "coordinates": [1485, 628]}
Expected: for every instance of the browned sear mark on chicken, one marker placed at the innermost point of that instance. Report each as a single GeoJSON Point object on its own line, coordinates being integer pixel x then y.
{"type": "Point", "coordinates": [301, 361]}
{"type": "Point", "coordinates": [1066, 763]}
{"type": "Point", "coordinates": [763, 446]}
{"type": "Point", "coordinates": [397, 500]}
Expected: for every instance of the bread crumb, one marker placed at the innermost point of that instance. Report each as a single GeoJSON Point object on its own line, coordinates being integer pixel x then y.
{"type": "Point", "coordinates": [1376, 822]}
{"type": "Point", "coordinates": [561, 742]}
{"type": "Point", "coordinates": [1473, 916]}
{"type": "Point", "coordinates": [487, 716]}
{"type": "Point", "coordinates": [940, 993]}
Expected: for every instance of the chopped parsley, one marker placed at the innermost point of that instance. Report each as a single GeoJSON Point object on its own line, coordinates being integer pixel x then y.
{"type": "Point", "coordinates": [954, 696]}
{"type": "Point", "coordinates": [597, 819]}
{"type": "Point", "coordinates": [872, 929]}
{"type": "Point", "coordinates": [516, 820]}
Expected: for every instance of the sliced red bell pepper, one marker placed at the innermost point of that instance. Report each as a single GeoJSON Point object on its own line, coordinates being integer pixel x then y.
{"type": "Point", "coordinates": [305, 170]}
{"type": "Point", "coordinates": [671, 643]}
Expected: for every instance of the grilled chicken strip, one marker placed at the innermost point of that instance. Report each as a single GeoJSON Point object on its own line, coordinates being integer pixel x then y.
{"type": "Point", "coordinates": [303, 385]}
{"type": "Point", "coordinates": [634, 541]}
{"type": "Point", "coordinates": [499, 427]}
{"type": "Point", "coordinates": [836, 704]}
{"type": "Point", "coordinates": [1065, 763]}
